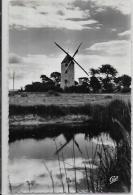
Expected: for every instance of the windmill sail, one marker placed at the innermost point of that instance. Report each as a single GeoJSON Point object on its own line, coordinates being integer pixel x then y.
{"type": "Point", "coordinates": [80, 67]}
{"type": "Point", "coordinates": [77, 50]}
{"type": "Point", "coordinates": [61, 48]}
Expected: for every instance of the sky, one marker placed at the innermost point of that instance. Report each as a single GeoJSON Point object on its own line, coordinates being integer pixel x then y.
{"type": "Point", "coordinates": [103, 27]}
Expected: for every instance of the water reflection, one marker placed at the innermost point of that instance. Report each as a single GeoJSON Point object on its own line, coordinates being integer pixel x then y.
{"type": "Point", "coordinates": [32, 161]}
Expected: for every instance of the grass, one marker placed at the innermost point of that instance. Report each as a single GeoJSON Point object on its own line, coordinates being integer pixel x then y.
{"type": "Point", "coordinates": [62, 99]}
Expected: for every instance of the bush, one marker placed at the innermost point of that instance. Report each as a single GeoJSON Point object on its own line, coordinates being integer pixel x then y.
{"type": "Point", "coordinates": [54, 93]}
{"type": "Point", "coordinates": [77, 89]}
{"type": "Point", "coordinates": [126, 90]}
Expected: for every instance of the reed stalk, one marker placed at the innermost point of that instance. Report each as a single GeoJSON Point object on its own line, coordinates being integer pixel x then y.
{"type": "Point", "coordinates": [51, 176]}
{"type": "Point", "coordinates": [68, 187]}
{"type": "Point", "coordinates": [75, 176]}
{"type": "Point", "coordinates": [10, 185]}
{"type": "Point", "coordinates": [59, 167]}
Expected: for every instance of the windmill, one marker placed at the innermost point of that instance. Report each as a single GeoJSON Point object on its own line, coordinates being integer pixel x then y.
{"type": "Point", "coordinates": [67, 68]}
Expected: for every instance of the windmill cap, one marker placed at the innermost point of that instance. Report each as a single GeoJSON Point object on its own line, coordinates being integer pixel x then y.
{"type": "Point", "coordinates": [67, 59]}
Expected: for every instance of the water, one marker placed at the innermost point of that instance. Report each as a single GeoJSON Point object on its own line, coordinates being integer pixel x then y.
{"type": "Point", "coordinates": [33, 164]}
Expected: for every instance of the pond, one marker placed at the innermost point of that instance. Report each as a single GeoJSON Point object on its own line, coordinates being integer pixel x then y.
{"type": "Point", "coordinates": [54, 163]}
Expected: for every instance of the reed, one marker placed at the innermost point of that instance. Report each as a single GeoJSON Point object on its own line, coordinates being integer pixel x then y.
{"type": "Point", "coordinates": [51, 176]}
{"type": "Point", "coordinates": [74, 166]}
{"type": "Point", "coordinates": [58, 156]}
{"type": "Point", "coordinates": [68, 186]}
{"type": "Point", "coordinates": [10, 185]}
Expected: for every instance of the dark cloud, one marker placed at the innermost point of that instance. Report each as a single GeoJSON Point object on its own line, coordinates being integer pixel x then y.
{"type": "Point", "coordinates": [78, 19]}
{"type": "Point", "coordinates": [43, 13]}
{"type": "Point", "coordinates": [41, 40]}
{"type": "Point", "coordinates": [17, 3]}
{"type": "Point", "coordinates": [14, 59]}
{"type": "Point", "coordinates": [111, 18]}
{"type": "Point", "coordinates": [107, 16]}
{"type": "Point", "coordinates": [84, 5]}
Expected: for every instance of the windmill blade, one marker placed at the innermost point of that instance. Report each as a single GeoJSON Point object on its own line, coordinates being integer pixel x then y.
{"type": "Point", "coordinates": [80, 67]}
{"type": "Point", "coordinates": [61, 48]}
{"type": "Point", "coordinates": [61, 147]}
{"type": "Point", "coordinates": [68, 65]}
{"type": "Point", "coordinates": [77, 50]}
{"type": "Point", "coordinates": [77, 146]}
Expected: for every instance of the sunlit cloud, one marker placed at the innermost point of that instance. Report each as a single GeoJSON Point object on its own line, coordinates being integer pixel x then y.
{"type": "Point", "coordinates": [111, 48]}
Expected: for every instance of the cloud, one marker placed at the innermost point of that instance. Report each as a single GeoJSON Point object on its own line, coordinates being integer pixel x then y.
{"type": "Point", "coordinates": [111, 48]}
{"type": "Point", "coordinates": [55, 14]}
{"type": "Point", "coordinates": [125, 33]}
{"type": "Point", "coordinates": [112, 19]}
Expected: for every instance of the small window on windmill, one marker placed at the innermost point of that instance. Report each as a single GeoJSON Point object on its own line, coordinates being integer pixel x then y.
{"type": "Point", "coordinates": [65, 82]}
{"type": "Point", "coordinates": [66, 72]}
{"type": "Point", "coordinates": [66, 65]}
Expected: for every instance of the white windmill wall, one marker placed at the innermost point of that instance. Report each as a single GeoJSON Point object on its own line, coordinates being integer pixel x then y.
{"type": "Point", "coordinates": [67, 78]}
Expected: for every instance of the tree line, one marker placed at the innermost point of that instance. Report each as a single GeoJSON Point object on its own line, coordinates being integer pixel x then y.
{"type": "Point", "coordinates": [101, 80]}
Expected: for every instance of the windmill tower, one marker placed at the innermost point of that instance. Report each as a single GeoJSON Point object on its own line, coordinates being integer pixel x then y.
{"type": "Point", "coordinates": [67, 74]}
{"type": "Point", "coordinates": [67, 68]}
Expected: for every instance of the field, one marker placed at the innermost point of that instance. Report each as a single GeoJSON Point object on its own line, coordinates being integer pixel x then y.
{"type": "Point", "coordinates": [62, 99]}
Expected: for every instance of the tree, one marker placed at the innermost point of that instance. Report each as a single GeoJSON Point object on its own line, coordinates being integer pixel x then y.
{"type": "Point", "coordinates": [56, 76]}
{"type": "Point", "coordinates": [108, 71]}
{"type": "Point", "coordinates": [123, 82]}
{"type": "Point", "coordinates": [83, 80]}
{"type": "Point", "coordinates": [45, 79]}
{"type": "Point", "coordinates": [107, 85]}
{"type": "Point", "coordinates": [93, 71]}
{"type": "Point", "coordinates": [95, 84]}
{"type": "Point", "coordinates": [76, 83]}
{"type": "Point", "coordinates": [94, 81]}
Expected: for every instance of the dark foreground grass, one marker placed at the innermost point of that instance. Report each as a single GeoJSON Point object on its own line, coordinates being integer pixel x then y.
{"type": "Point", "coordinates": [114, 173]}
{"type": "Point", "coordinates": [50, 110]}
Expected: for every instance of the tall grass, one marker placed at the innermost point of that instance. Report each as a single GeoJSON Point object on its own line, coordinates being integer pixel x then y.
{"type": "Point", "coordinates": [58, 156]}
{"type": "Point", "coordinates": [118, 165]}
{"type": "Point", "coordinates": [67, 181]}
{"type": "Point", "coordinates": [51, 176]}
{"type": "Point", "coordinates": [10, 185]}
